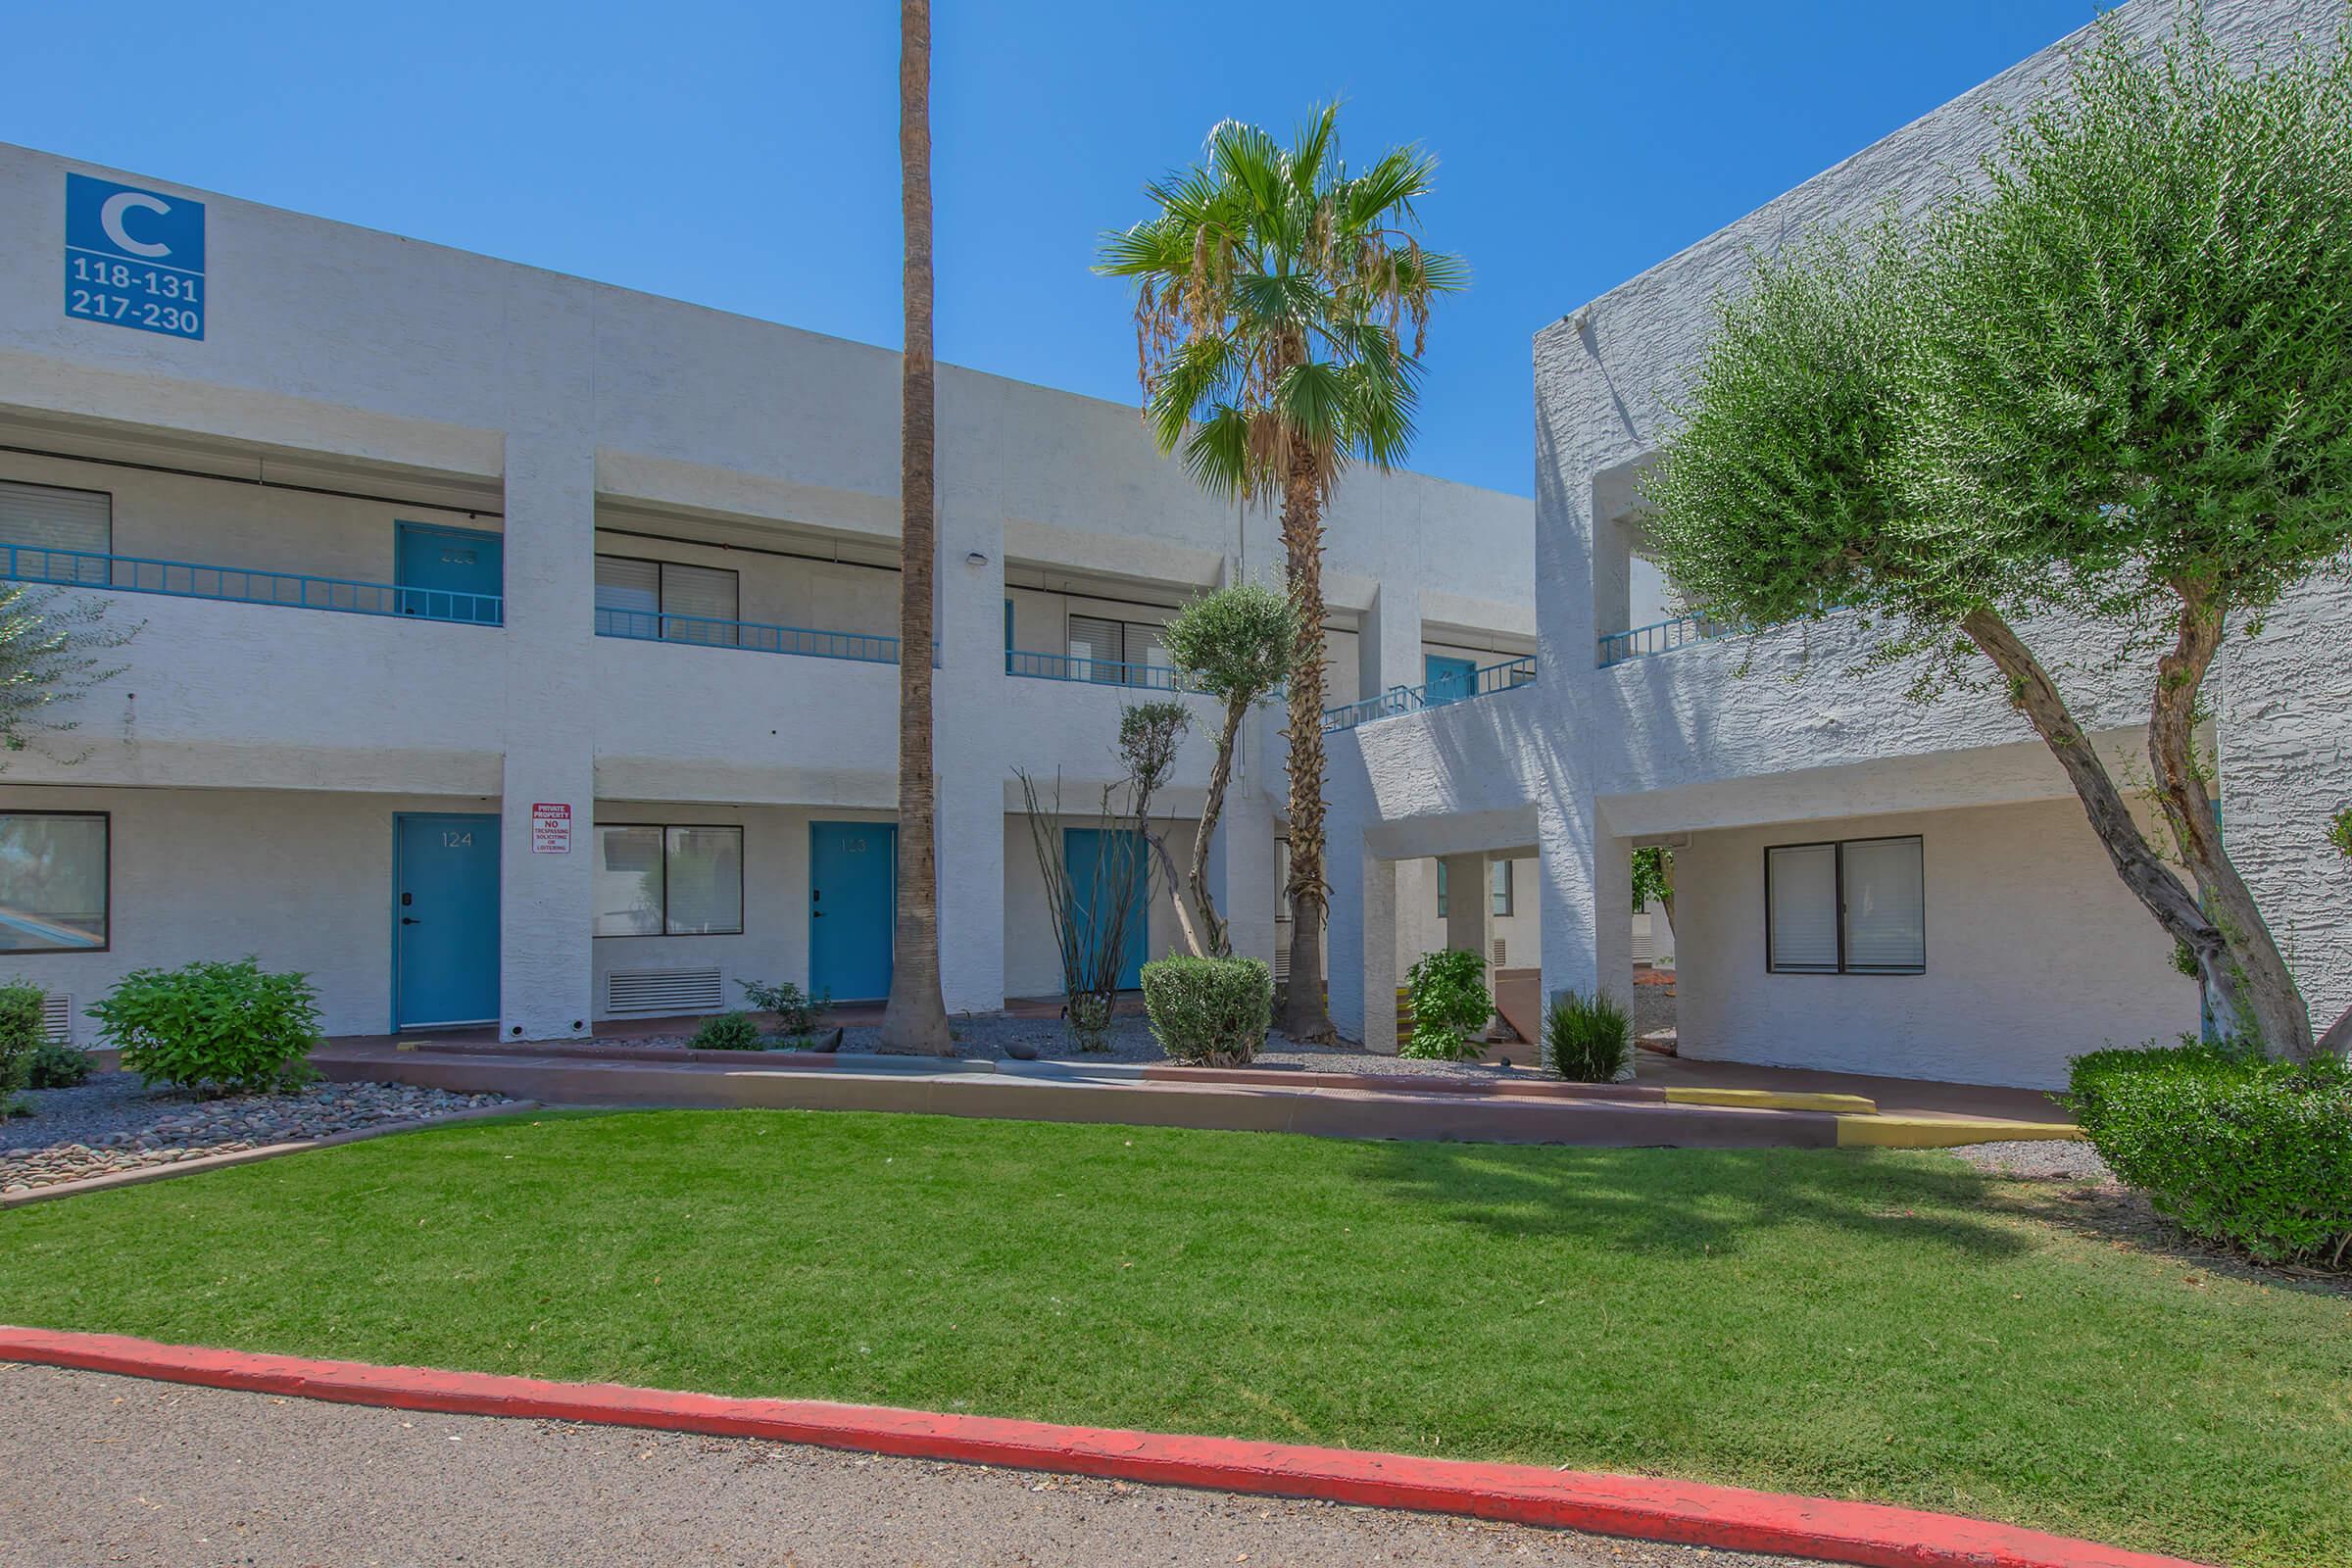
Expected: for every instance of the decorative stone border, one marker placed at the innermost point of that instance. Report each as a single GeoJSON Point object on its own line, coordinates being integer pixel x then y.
{"type": "Point", "coordinates": [245, 1157]}
{"type": "Point", "coordinates": [1689, 1513]}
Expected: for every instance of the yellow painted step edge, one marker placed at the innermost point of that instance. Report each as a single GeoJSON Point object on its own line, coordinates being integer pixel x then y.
{"type": "Point", "coordinates": [1934, 1132]}
{"type": "Point", "coordinates": [1772, 1100]}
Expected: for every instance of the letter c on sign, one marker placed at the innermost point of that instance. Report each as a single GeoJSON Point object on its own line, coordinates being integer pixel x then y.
{"type": "Point", "coordinates": [110, 219]}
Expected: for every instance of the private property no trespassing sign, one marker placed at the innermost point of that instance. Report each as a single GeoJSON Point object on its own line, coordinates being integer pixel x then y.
{"type": "Point", "coordinates": [551, 827]}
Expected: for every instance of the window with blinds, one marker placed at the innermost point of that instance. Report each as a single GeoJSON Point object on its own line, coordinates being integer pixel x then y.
{"type": "Point", "coordinates": [667, 880]}
{"type": "Point", "coordinates": [1097, 650]}
{"type": "Point", "coordinates": [51, 529]}
{"type": "Point", "coordinates": [667, 600]}
{"type": "Point", "coordinates": [1857, 906]}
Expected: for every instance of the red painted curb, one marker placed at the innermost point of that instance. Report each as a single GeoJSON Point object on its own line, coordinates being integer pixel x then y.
{"type": "Point", "coordinates": [1872, 1535]}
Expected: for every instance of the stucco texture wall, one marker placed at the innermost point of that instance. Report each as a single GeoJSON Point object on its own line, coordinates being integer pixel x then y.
{"type": "Point", "coordinates": [2036, 953]}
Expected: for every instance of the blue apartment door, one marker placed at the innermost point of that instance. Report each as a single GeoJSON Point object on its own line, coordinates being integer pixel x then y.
{"type": "Point", "coordinates": [853, 908]}
{"type": "Point", "coordinates": [450, 573]}
{"type": "Point", "coordinates": [1449, 679]}
{"type": "Point", "coordinates": [1100, 863]}
{"type": "Point", "coordinates": [444, 919]}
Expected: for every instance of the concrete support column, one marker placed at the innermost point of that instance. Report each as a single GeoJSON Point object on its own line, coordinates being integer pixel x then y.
{"type": "Point", "coordinates": [1241, 872]}
{"type": "Point", "coordinates": [1588, 911]}
{"type": "Point", "coordinates": [1469, 904]}
{"type": "Point", "coordinates": [546, 975]}
{"type": "Point", "coordinates": [1388, 645]}
{"type": "Point", "coordinates": [969, 756]}
{"type": "Point", "coordinates": [1363, 944]}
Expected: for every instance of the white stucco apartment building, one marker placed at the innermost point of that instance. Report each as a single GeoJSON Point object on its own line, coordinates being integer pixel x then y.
{"type": "Point", "coordinates": [513, 648]}
{"type": "Point", "coordinates": [1984, 936]}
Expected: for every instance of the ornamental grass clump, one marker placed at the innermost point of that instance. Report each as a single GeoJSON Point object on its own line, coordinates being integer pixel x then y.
{"type": "Point", "coordinates": [1452, 1005]}
{"type": "Point", "coordinates": [229, 1027]}
{"type": "Point", "coordinates": [2255, 1154]}
{"type": "Point", "coordinates": [1209, 1012]}
{"type": "Point", "coordinates": [1589, 1038]}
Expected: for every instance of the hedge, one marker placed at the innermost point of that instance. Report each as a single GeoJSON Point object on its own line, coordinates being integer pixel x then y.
{"type": "Point", "coordinates": [2250, 1153]}
{"type": "Point", "coordinates": [1209, 1012]}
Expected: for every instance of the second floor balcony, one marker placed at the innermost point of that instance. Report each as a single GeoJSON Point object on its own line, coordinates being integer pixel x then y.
{"type": "Point", "coordinates": [245, 585]}
{"type": "Point", "coordinates": [1454, 686]}
{"type": "Point", "coordinates": [710, 631]}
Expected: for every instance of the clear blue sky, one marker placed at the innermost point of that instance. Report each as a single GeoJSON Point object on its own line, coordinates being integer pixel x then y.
{"type": "Point", "coordinates": [744, 156]}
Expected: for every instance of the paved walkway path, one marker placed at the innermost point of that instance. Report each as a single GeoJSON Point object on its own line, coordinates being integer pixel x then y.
{"type": "Point", "coordinates": [103, 1469]}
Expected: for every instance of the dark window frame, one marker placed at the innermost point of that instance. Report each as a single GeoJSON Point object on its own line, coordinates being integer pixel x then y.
{"type": "Point", "coordinates": [1837, 846]}
{"type": "Point", "coordinates": [662, 609]}
{"type": "Point", "coordinates": [743, 910]}
{"type": "Point", "coordinates": [106, 881]}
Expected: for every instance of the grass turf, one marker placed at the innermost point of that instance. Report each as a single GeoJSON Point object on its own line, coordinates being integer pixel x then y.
{"type": "Point", "coordinates": [1883, 1325]}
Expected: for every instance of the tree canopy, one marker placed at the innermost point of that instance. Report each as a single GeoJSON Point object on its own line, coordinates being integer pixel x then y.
{"type": "Point", "coordinates": [2112, 378]}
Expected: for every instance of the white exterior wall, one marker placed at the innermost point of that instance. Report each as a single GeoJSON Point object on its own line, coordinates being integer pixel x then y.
{"type": "Point", "coordinates": [1692, 743]}
{"type": "Point", "coordinates": [2036, 953]}
{"type": "Point", "coordinates": [576, 418]}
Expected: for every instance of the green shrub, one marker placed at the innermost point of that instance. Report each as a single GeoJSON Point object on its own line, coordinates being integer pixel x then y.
{"type": "Point", "coordinates": [2238, 1150]}
{"type": "Point", "coordinates": [728, 1031]}
{"type": "Point", "coordinates": [2339, 832]}
{"type": "Point", "coordinates": [56, 1066]}
{"type": "Point", "coordinates": [213, 1025]}
{"type": "Point", "coordinates": [21, 1034]}
{"type": "Point", "coordinates": [1209, 1012]}
{"type": "Point", "coordinates": [1452, 1005]}
{"type": "Point", "coordinates": [797, 1014]}
{"type": "Point", "coordinates": [1588, 1038]}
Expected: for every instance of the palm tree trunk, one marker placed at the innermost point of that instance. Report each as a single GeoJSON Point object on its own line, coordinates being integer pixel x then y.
{"type": "Point", "coordinates": [1304, 1014]}
{"type": "Point", "coordinates": [2150, 880]}
{"type": "Point", "coordinates": [1214, 940]}
{"type": "Point", "coordinates": [915, 1021]}
{"type": "Point", "coordinates": [2275, 1006]}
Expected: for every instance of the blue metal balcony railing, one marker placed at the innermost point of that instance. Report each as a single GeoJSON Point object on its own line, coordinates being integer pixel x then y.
{"type": "Point", "coordinates": [1099, 671]}
{"type": "Point", "coordinates": [182, 579]}
{"type": "Point", "coordinates": [1438, 693]}
{"type": "Point", "coordinates": [1663, 637]}
{"type": "Point", "coordinates": [645, 625]}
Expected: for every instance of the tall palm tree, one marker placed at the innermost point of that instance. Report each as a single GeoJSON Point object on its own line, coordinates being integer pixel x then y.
{"type": "Point", "coordinates": [916, 1019]}
{"type": "Point", "coordinates": [1274, 293]}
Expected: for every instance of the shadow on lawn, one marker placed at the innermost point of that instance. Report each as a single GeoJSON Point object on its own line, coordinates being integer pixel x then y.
{"type": "Point", "coordinates": [1694, 1201]}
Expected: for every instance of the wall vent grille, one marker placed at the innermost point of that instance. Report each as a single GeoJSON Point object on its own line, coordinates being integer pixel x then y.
{"type": "Point", "coordinates": [661, 991]}
{"type": "Point", "coordinates": [57, 1018]}
{"type": "Point", "coordinates": [1501, 954]}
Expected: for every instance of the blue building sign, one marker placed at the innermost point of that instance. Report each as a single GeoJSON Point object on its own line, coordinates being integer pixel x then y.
{"type": "Point", "coordinates": [134, 258]}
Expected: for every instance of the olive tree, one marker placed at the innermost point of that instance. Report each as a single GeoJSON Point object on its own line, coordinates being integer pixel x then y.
{"type": "Point", "coordinates": [1238, 645]}
{"type": "Point", "coordinates": [52, 651]}
{"type": "Point", "coordinates": [2112, 379]}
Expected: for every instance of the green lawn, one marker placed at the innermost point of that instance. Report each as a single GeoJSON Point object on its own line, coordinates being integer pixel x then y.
{"type": "Point", "coordinates": [1882, 1326]}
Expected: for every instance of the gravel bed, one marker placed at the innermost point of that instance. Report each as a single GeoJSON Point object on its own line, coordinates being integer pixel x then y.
{"type": "Point", "coordinates": [115, 1122]}
{"type": "Point", "coordinates": [2042, 1159]}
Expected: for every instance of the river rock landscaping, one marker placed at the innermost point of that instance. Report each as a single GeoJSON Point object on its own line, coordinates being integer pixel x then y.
{"type": "Point", "coordinates": [115, 1122]}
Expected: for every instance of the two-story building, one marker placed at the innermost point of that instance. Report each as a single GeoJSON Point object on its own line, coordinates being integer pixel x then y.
{"type": "Point", "coordinates": [1863, 882]}
{"type": "Point", "coordinates": [510, 648]}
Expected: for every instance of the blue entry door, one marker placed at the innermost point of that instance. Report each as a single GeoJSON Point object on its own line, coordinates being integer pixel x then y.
{"type": "Point", "coordinates": [450, 573]}
{"type": "Point", "coordinates": [1449, 679]}
{"type": "Point", "coordinates": [444, 919]}
{"type": "Point", "coordinates": [853, 908]}
{"type": "Point", "coordinates": [1100, 863]}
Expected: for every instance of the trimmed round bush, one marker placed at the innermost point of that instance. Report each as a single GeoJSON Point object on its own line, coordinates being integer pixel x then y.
{"type": "Point", "coordinates": [1209, 1012]}
{"type": "Point", "coordinates": [213, 1025]}
{"type": "Point", "coordinates": [2253, 1154]}
{"type": "Point", "coordinates": [1588, 1038]}
{"type": "Point", "coordinates": [727, 1031]}
{"type": "Point", "coordinates": [1452, 1005]}
{"type": "Point", "coordinates": [56, 1066]}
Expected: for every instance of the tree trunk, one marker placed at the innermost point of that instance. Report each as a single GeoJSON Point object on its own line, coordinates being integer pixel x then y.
{"type": "Point", "coordinates": [2338, 1041]}
{"type": "Point", "coordinates": [2273, 1010]}
{"type": "Point", "coordinates": [1304, 1015]}
{"type": "Point", "coordinates": [1214, 941]}
{"type": "Point", "coordinates": [2150, 880]}
{"type": "Point", "coordinates": [915, 1021]}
